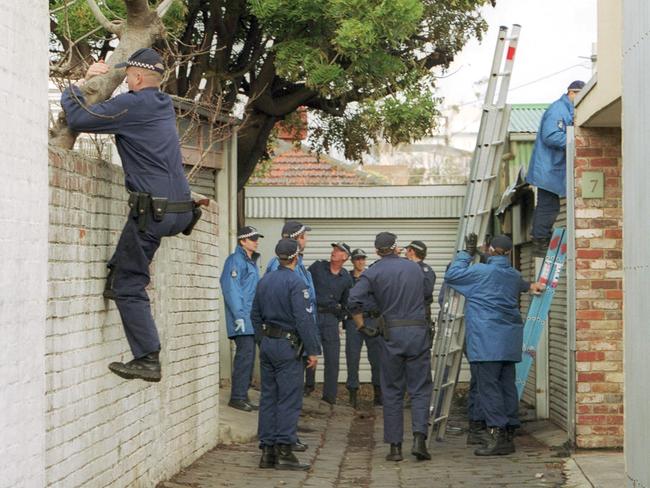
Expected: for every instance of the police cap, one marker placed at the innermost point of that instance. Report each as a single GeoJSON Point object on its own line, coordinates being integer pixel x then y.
{"type": "Point", "coordinates": [293, 228]}
{"type": "Point", "coordinates": [248, 232]}
{"type": "Point", "coordinates": [343, 247]}
{"type": "Point", "coordinates": [576, 85]}
{"type": "Point", "coordinates": [145, 58]}
{"type": "Point", "coordinates": [287, 249]}
{"type": "Point", "coordinates": [418, 245]}
{"type": "Point", "coordinates": [385, 240]}
{"type": "Point", "coordinates": [501, 242]}
{"type": "Point", "coordinates": [358, 254]}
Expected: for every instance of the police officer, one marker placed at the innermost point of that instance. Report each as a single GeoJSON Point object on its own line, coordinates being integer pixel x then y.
{"type": "Point", "coordinates": [238, 283]}
{"type": "Point", "coordinates": [396, 287]}
{"type": "Point", "coordinates": [144, 123]}
{"type": "Point", "coordinates": [354, 341]}
{"type": "Point", "coordinates": [416, 251]}
{"type": "Point", "coordinates": [332, 283]}
{"type": "Point", "coordinates": [284, 327]}
{"type": "Point", "coordinates": [494, 335]}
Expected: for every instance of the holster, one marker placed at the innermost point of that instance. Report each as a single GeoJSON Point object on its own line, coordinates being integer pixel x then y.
{"type": "Point", "coordinates": [383, 329]}
{"type": "Point", "coordinates": [140, 204]}
{"type": "Point", "coordinates": [196, 216]}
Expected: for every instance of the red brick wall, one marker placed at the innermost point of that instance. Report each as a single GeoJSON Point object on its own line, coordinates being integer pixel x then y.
{"type": "Point", "coordinates": [599, 293]}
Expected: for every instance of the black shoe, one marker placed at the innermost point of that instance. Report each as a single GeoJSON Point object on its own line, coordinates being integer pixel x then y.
{"type": "Point", "coordinates": [299, 446]}
{"type": "Point", "coordinates": [242, 405]}
{"type": "Point", "coordinates": [308, 390]}
{"type": "Point", "coordinates": [268, 457]}
{"type": "Point", "coordinates": [286, 459]}
{"type": "Point", "coordinates": [352, 394]}
{"type": "Point", "coordinates": [497, 444]}
{"type": "Point", "coordinates": [108, 287]}
{"type": "Point", "coordinates": [329, 400]}
{"type": "Point", "coordinates": [376, 399]}
{"type": "Point", "coordinates": [540, 246]}
{"type": "Point", "coordinates": [395, 453]}
{"type": "Point", "coordinates": [477, 433]}
{"type": "Point", "coordinates": [252, 405]}
{"type": "Point", "coordinates": [420, 447]}
{"type": "Point", "coordinates": [510, 433]}
{"type": "Point", "coordinates": [145, 368]}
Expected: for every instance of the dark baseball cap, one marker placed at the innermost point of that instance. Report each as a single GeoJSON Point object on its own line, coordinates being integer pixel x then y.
{"type": "Point", "coordinates": [501, 242]}
{"type": "Point", "coordinates": [248, 232]}
{"type": "Point", "coordinates": [343, 247]}
{"type": "Point", "coordinates": [385, 240]}
{"type": "Point", "coordinates": [576, 85]}
{"type": "Point", "coordinates": [419, 245]}
{"type": "Point", "coordinates": [293, 228]}
{"type": "Point", "coordinates": [358, 253]}
{"type": "Point", "coordinates": [145, 58]}
{"type": "Point", "coordinates": [286, 248]}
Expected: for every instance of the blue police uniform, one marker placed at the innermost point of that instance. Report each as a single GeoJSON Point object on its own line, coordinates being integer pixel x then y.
{"type": "Point", "coordinates": [305, 276]}
{"type": "Point", "coordinates": [144, 125]}
{"type": "Point", "coordinates": [282, 301]}
{"type": "Point", "coordinates": [396, 286]}
{"type": "Point", "coordinates": [238, 284]}
{"type": "Point", "coordinates": [429, 284]}
{"type": "Point", "coordinates": [354, 341]}
{"type": "Point", "coordinates": [332, 298]}
{"type": "Point", "coordinates": [494, 331]}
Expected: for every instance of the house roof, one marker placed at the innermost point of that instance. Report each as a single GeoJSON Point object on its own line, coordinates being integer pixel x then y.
{"type": "Point", "coordinates": [300, 167]}
{"type": "Point", "coordinates": [525, 117]}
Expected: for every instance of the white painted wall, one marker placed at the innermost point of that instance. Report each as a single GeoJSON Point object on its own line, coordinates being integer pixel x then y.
{"type": "Point", "coordinates": [23, 242]}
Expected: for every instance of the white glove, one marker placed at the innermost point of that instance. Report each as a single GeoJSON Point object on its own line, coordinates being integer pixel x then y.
{"type": "Point", "coordinates": [240, 325]}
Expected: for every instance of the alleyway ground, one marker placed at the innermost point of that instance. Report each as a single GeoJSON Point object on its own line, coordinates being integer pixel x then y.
{"type": "Point", "coordinates": [346, 450]}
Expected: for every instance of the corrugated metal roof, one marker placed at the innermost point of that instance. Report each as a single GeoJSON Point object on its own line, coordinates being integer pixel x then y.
{"type": "Point", "coordinates": [443, 201]}
{"type": "Point", "coordinates": [525, 117]}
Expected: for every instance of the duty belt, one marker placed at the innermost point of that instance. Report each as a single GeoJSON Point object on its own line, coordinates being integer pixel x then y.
{"type": "Point", "coordinates": [143, 204]}
{"type": "Point", "coordinates": [405, 323]}
{"type": "Point", "coordinates": [275, 332]}
{"type": "Point", "coordinates": [332, 310]}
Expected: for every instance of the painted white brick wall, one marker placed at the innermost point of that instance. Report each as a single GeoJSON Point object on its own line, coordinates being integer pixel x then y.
{"type": "Point", "coordinates": [23, 242]}
{"type": "Point", "coordinates": [101, 430]}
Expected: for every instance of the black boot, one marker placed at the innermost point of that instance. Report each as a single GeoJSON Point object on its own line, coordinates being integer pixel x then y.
{"type": "Point", "coordinates": [420, 447]}
{"type": "Point", "coordinates": [540, 246]}
{"type": "Point", "coordinates": [268, 457]}
{"type": "Point", "coordinates": [477, 433]}
{"type": "Point", "coordinates": [395, 453]}
{"type": "Point", "coordinates": [309, 389]}
{"type": "Point", "coordinates": [352, 394]}
{"type": "Point", "coordinates": [510, 434]}
{"type": "Point", "coordinates": [497, 444]}
{"type": "Point", "coordinates": [299, 446]}
{"type": "Point", "coordinates": [286, 459]}
{"type": "Point", "coordinates": [145, 368]}
{"type": "Point", "coordinates": [376, 400]}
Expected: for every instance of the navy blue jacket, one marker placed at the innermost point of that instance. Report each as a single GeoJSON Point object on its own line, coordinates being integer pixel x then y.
{"type": "Point", "coordinates": [493, 326]}
{"type": "Point", "coordinates": [239, 280]}
{"type": "Point", "coordinates": [305, 276]}
{"type": "Point", "coordinates": [331, 290]}
{"type": "Point", "coordinates": [144, 124]}
{"type": "Point", "coordinates": [392, 285]}
{"type": "Point", "coordinates": [547, 167]}
{"type": "Point", "coordinates": [282, 300]}
{"type": "Point", "coordinates": [429, 284]}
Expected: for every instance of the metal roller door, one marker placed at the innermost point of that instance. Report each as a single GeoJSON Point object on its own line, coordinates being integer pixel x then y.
{"type": "Point", "coordinates": [438, 234]}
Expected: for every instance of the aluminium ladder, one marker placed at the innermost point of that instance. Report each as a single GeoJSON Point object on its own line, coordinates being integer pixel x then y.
{"type": "Point", "coordinates": [450, 337]}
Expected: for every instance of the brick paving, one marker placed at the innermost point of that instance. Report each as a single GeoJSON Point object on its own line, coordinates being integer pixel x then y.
{"type": "Point", "coordinates": [347, 450]}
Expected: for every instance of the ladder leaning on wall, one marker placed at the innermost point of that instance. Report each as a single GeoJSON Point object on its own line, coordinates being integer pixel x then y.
{"type": "Point", "coordinates": [450, 337]}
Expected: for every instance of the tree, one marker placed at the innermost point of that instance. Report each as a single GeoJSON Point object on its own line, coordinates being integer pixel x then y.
{"type": "Point", "coordinates": [363, 66]}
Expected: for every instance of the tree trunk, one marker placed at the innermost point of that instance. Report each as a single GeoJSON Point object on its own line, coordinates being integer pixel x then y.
{"type": "Point", "coordinates": [251, 144]}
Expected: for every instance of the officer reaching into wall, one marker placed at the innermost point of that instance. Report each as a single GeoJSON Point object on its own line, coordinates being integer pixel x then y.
{"type": "Point", "coordinates": [238, 284]}
{"type": "Point", "coordinates": [416, 251]}
{"type": "Point", "coordinates": [354, 341]}
{"type": "Point", "coordinates": [494, 335]}
{"type": "Point", "coordinates": [332, 283]}
{"type": "Point", "coordinates": [144, 123]}
{"type": "Point", "coordinates": [395, 287]}
{"type": "Point", "coordinates": [284, 328]}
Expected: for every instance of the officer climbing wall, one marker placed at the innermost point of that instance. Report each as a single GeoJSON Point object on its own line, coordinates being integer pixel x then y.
{"type": "Point", "coordinates": [284, 328]}
{"type": "Point", "coordinates": [144, 123]}
{"type": "Point", "coordinates": [395, 287]}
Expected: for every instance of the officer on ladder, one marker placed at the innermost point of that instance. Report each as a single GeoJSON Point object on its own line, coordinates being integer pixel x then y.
{"type": "Point", "coordinates": [144, 123]}
{"type": "Point", "coordinates": [284, 328]}
{"type": "Point", "coordinates": [494, 335]}
{"type": "Point", "coordinates": [395, 287]}
{"type": "Point", "coordinates": [354, 341]}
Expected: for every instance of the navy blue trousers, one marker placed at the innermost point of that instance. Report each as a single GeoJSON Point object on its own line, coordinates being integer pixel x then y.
{"type": "Point", "coordinates": [497, 393]}
{"type": "Point", "coordinates": [546, 211]}
{"type": "Point", "coordinates": [242, 367]}
{"type": "Point", "coordinates": [281, 392]}
{"type": "Point", "coordinates": [406, 366]}
{"type": "Point", "coordinates": [473, 404]}
{"type": "Point", "coordinates": [354, 341]}
{"type": "Point", "coordinates": [130, 270]}
{"type": "Point", "coordinates": [328, 325]}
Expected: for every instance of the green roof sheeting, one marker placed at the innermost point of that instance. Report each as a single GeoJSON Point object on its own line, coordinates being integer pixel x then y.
{"type": "Point", "coordinates": [525, 117]}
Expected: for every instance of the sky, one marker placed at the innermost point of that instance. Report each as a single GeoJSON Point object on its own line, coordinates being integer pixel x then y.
{"type": "Point", "coordinates": [556, 35]}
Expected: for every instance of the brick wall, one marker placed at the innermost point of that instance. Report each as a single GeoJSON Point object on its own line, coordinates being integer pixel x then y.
{"type": "Point", "coordinates": [102, 430]}
{"type": "Point", "coordinates": [599, 293]}
{"type": "Point", "coordinates": [24, 32]}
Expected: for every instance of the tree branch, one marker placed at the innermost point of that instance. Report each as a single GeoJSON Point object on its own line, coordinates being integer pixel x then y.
{"type": "Point", "coordinates": [163, 8]}
{"type": "Point", "coordinates": [111, 27]}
